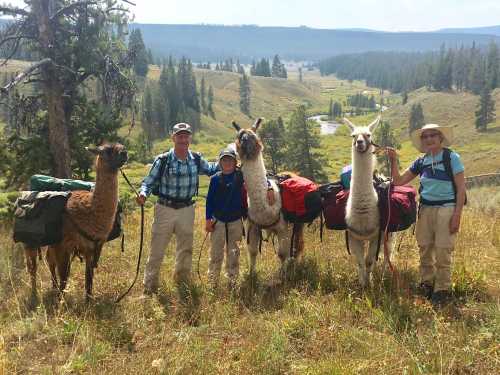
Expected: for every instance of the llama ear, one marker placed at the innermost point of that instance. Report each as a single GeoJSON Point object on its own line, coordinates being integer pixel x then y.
{"type": "Point", "coordinates": [236, 126]}
{"type": "Point", "coordinates": [256, 124]}
{"type": "Point", "coordinates": [93, 150]}
{"type": "Point", "coordinates": [374, 124]}
{"type": "Point", "coordinates": [349, 124]}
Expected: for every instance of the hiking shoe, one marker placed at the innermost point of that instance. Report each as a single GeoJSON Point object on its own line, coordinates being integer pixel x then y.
{"type": "Point", "coordinates": [425, 290]}
{"type": "Point", "coordinates": [441, 298]}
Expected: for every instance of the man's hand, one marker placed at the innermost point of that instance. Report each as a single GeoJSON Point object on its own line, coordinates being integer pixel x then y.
{"type": "Point", "coordinates": [271, 198]}
{"type": "Point", "coordinates": [209, 225]}
{"type": "Point", "coordinates": [455, 223]}
{"type": "Point", "coordinates": [141, 199]}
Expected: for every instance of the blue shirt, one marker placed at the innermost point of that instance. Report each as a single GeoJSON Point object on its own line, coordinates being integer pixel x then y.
{"type": "Point", "coordinates": [435, 184]}
{"type": "Point", "coordinates": [345, 177]}
{"type": "Point", "coordinates": [180, 177]}
{"type": "Point", "coordinates": [222, 206]}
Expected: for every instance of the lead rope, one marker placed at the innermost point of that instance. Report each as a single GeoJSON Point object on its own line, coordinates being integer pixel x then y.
{"type": "Point", "coordinates": [141, 243]}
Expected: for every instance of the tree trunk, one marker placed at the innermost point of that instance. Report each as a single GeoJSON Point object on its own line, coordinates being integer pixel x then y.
{"type": "Point", "coordinates": [53, 90]}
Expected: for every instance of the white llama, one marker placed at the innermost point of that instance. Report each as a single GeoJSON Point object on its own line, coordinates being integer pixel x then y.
{"type": "Point", "coordinates": [261, 215]}
{"type": "Point", "coordinates": [362, 212]}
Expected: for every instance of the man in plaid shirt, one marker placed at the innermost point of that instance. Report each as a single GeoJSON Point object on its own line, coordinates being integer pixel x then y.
{"type": "Point", "coordinates": [174, 178]}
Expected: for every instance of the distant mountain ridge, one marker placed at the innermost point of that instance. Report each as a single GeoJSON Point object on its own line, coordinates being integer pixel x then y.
{"type": "Point", "coordinates": [485, 30]}
{"type": "Point", "coordinates": [216, 42]}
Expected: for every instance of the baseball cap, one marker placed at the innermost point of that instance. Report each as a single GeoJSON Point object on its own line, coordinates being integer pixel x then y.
{"type": "Point", "coordinates": [227, 152]}
{"type": "Point", "coordinates": [181, 127]}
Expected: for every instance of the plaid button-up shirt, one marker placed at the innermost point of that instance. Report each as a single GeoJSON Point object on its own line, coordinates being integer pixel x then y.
{"type": "Point", "coordinates": [180, 177]}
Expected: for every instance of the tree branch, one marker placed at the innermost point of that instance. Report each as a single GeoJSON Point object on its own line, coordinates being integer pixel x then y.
{"type": "Point", "coordinates": [24, 74]}
{"type": "Point", "coordinates": [129, 2]}
{"type": "Point", "coordinates": [70, 8]}
{"type": "Point", "coordinates": [14, 11]}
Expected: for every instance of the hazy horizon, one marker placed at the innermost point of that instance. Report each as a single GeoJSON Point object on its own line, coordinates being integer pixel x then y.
{"type": "Point", "coordinates": [379, 15]}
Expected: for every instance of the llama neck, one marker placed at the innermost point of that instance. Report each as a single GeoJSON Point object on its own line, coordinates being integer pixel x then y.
{"type": "Point", "coordinates": [105, 195]}
{"type": "Point", "coordinates": [254, 174]}
{"type": "Point", "coordinates": [362, 172]}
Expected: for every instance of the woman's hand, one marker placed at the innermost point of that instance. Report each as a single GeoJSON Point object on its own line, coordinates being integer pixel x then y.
{"type": "Point", "coordinates": [391, 154]}
{"type": "Point", "coordinates": [209, 225]}
{"type": "Point", "coordinates": [455, 222]}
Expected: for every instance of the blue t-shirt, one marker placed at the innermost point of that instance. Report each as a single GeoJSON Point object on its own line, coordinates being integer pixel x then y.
{"type": "Point", "coordinates": [435, 184]}
{"type": "Point", "coordinates": [345, 177]}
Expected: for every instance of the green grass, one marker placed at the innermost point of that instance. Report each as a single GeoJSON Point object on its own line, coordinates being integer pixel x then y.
{"type": "Point", "coordinates": [315, 321]}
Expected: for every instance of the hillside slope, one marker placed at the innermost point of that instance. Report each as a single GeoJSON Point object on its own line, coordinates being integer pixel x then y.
{"type": "Point", "coordinates": [480, 151]}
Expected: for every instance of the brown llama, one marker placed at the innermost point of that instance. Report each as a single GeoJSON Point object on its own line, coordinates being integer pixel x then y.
{"type": "Point", "coordinates": [87, 221]}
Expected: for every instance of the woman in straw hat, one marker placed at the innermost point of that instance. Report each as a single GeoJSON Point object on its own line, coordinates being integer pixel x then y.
{"type": "Point", "coordinates": [442, 197]}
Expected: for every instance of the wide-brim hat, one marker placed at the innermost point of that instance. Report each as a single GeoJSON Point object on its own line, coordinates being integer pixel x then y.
{"type": "Point", "coordinates": [446, 131]}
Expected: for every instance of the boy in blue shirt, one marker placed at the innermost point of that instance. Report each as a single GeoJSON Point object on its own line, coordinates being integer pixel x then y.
{"type": "Point", "coordinates": [226, 205]}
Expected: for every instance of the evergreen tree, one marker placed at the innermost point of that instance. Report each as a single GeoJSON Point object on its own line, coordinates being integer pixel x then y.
{"type": "Point", "coordinates": [210, 101]}
{"type": "Point", "coordinates": [239, 67]}
{"type": "Point", "coordinates": [330, 109]}
{"type": "Point", "coordinates": [137, 49]}
{"type": "Point", "coordinates": [245, 94]}
{"type": "Point", "coordinates": [300, 75]}
{"type": "Point", "coordinates": [302, 140]}
{"type": "Point", "coordinates": [492, 66]}
{"type": "Point", "coordinates": [278, 69]}
{"type": "Point", "coordinates": [416, 120]}
{"type": "Point", "coordinates": [405, 97]}
{"type": "Point", "coordinates": [147, 118]}
{"type": "Point", "coordinates": [485, 113]}
{"type": "Point", "coordinates": [203, 94]}
{"type": "Point", "coordinates": [385, 137]}
{"type": "Point", "coordinates": [273, 137]}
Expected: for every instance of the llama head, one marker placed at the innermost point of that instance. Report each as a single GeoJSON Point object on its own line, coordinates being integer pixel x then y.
{"type": "Point", "coordinates": [248, 143]}
{"type": "Point", "coordinates": [112, 156]}
{"type": "Point", "coordinates": [362, 135]}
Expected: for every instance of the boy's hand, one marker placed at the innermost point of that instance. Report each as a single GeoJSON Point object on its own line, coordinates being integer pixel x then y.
{"type": "Point", "coordinates": [209, 225]}
{"type": "Point", "coordinates": [271, 198]}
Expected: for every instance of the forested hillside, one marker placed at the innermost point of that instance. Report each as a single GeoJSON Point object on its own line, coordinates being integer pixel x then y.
{"type": "Point", "coordinates": [213, 42]}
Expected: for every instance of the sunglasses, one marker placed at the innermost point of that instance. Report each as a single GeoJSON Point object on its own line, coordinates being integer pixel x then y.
{"type": "Point", "coordinates": [429, 135]}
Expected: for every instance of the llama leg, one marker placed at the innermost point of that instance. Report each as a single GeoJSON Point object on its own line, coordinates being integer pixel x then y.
{"type": "Point", "coordinates": [51, 261]}
{"type": "Point", "coordinates": [358, 251]}
{"type": "Point", "coordinates": [387, 257]}
{"type": "Point", "coordinates": [371, 256]}
{"type": "Point", "coordinates": [253, 245]}
{"type": "Point", "coordinates": [63, 266]}
{"type": "Point", "coordinates": [31, 255]}
{"type": "Point", "coordinates": [89, 276]}
{"type": "Point", "coordinates": [299, 241]}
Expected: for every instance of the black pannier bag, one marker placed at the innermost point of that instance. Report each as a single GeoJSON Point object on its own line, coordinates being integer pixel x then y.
{"type": "Point", "coordinates": [38, 217]}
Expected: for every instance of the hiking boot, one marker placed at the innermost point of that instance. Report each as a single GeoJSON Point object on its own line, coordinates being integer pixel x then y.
{"type": "Point", "coordinates": [441, 298]}
{"type": "Point", "coordinates": [425, 290]}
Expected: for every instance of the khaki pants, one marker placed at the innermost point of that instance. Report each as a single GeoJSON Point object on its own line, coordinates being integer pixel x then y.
{"type": "Point", "coordinates": [436, 246]}
{"type": "Point", "coordinates": [218, 249]}
{"type": "Point", "coordinates": [169, 221]}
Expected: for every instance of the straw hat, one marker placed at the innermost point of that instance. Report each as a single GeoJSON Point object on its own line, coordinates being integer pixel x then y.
{"type": "Point", "coordinates": [447, 133]}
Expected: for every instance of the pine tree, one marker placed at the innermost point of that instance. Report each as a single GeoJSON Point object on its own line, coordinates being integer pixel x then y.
{"type": "Point", "coordinates": [485, 113]}
{"type": "Point", "coordinates": [147, 118]}
{"type": "Point", "coordinates": [385, 137]}
{"type": "Point", "coordinates": [330, 109]}
{"type": "Point", "coordinates": [203, 94]}
{"type": "Point", "coordinates": [210, 101]}
{"type": "Point", "coordinates": [300, 75]}
{"type": "Point", "coordinates": [405, 97]}
{"type": "Point", "coordinates": [302, 139]}
{"type": "Point", "coordinates": [245, 94]}
{"type": "Point", "coordinates": [137, 49]}
{"type": "Point", "coordinates": [416, 120]}
{"type": "Point", "coordinates": [278, 69]}
{"type": "Point", "coordinates": [492, 66]}
{"type": "Point", "coordinates": [273, 137]}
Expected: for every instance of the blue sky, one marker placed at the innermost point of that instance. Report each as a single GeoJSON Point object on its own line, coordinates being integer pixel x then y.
{"type": "Point", "coordinates": [390, 15]}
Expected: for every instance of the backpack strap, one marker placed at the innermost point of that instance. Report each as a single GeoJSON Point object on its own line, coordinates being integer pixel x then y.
{"type": "Point", "coordinates": [197, 161]}
{"type": "Point", "coordinates": [448, 169]}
